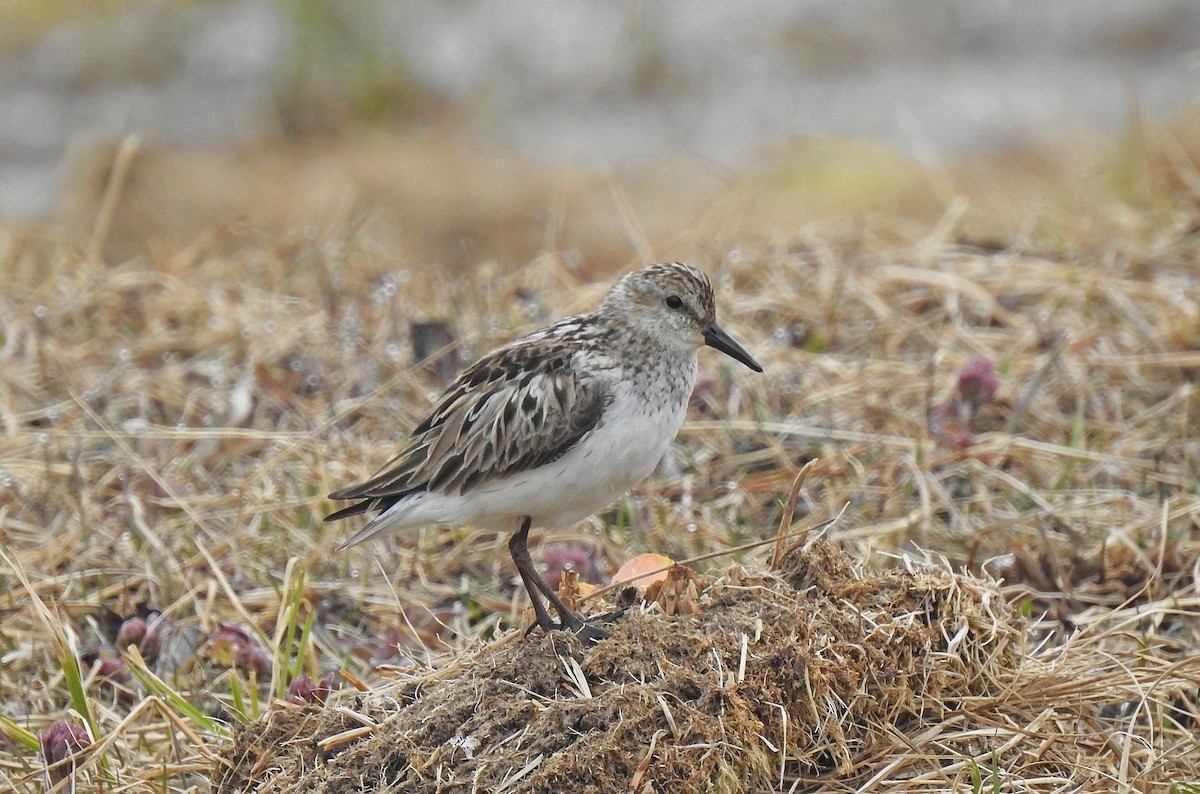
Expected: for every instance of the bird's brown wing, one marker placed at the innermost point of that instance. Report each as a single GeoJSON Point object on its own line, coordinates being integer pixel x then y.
{"type": "Point", "coordinates": [520, 407]}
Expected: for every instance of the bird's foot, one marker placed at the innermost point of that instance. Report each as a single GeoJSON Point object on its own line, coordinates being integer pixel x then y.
{"type": "Point", "coordinates": [588, 632]}
{"type": "Point", "coordinates": [610, 617]}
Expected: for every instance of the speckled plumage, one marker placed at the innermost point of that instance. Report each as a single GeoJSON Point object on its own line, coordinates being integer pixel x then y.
{"type": "Point", "coordinates": [554, 426]}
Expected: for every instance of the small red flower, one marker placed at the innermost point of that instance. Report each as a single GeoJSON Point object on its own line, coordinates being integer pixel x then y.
{"type": "Point", "coordinates": [59, 742]}
{"type": "Point", "coordinates": [303, 690]}
{"type": "Point", "coordinates": [953, 422]}
{"type": "Point", "coordinates": [233, 646]}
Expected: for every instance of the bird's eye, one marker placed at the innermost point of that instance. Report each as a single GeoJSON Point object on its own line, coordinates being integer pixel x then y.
{"type": "Point", "coordinates": [674, 302]}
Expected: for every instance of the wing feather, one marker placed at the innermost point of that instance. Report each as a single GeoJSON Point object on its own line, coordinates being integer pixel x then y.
{"type": "Point", "coordinates": [516, 409]}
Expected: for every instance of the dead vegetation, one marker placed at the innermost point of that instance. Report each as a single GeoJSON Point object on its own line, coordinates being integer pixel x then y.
{"type": "Point", "coordinates": [172, 423]}
{"type": "Point", "coordinates": [817, 665]}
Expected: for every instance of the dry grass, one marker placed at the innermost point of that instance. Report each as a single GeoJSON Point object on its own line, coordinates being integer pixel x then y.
{"type": "Point", "coordinates": [758, 669]}
{"type": "Point", "coordinates": [171, 424]}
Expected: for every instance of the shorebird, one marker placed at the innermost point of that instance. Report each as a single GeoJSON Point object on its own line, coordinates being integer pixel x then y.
{"type": "Point", "coordinates": [556, 425]}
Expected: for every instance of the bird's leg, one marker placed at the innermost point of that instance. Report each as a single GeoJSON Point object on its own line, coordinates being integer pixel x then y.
{"type": "Point", "coordinates": [533, 583]}
{"type": "Point", "coordinates": [536, 586]}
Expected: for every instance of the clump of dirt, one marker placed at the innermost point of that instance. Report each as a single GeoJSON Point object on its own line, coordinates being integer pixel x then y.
{"type": "Point", "coordinates": [804, 673]}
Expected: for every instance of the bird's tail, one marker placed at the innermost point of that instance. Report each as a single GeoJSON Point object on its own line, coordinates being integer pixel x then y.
{"type": "Point", "coordinates": [352, 510]}
{"type": "Point", "coordinates": [376, 525]}
{"type": "Point", "coordinates": [394, 513]}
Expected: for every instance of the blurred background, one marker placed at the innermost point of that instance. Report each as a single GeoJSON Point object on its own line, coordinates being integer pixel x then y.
{"type": "Point", "coordinates": [456, 133]}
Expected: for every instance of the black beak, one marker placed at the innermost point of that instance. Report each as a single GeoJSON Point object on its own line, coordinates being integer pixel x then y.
{"type": "Point", "coordinates": [715, 337]}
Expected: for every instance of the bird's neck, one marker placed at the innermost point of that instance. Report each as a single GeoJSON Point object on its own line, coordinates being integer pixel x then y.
{"type": "Point", "coordinates": [656, 372]}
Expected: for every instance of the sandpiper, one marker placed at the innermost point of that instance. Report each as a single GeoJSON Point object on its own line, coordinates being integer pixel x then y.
{"type": "Point", "coordinates": [556, 425]}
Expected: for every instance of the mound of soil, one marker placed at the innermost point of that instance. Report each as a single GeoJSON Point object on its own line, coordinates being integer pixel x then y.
{"type": "Point", "coordinates": [804, 675]}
